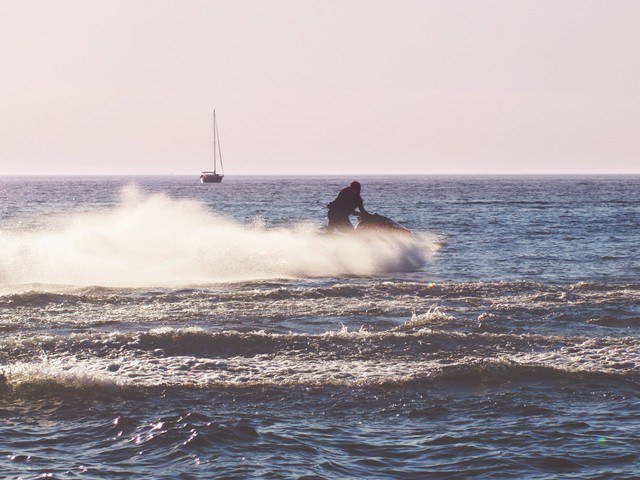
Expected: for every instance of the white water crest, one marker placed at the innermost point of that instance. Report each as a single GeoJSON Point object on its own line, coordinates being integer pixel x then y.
{"type": "Point", "coordinates": [371, 358]}
{"type": "Point", "coordinates": [155, 240]}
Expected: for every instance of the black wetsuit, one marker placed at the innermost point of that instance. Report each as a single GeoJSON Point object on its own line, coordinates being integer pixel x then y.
{"type": "Point", "coordinates": [344, 205]}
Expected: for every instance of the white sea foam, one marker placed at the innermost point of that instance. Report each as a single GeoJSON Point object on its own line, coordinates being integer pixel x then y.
{"type": "Point", "coordinates": [130, 369]}
{"type": "Point", "coordinates": [434, 315]}
{"type": "Point", "coordinates": [191, 371]}
{"type": "Point", "coordinates": [154, 240]}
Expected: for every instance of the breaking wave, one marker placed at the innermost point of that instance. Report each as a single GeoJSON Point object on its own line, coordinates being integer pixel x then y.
{"type": "Point", "coordinates": [193, 358]}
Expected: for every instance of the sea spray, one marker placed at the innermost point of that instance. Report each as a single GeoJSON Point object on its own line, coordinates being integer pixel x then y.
{"type": "Point", "coordinates": [156, 240]}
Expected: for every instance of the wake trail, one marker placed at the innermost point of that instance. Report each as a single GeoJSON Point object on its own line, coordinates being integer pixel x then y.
{"type": "Point", "coordinates": [155, 240]}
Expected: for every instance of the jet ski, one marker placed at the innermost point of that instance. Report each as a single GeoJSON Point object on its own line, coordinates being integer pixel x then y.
{"type": "Point", "coordinates": [374, 222]}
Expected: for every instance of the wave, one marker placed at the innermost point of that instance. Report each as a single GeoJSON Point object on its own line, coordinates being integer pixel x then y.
{"type": "Point", "coordinates": [39, 295]}
{"type": "Point", "coordinates": [103, 379]}
{"type": "Point", "coordinates": [192, 358]}
{"type": "Point", "coordinates": [315, 305]}
{"type": "Point", "coordinates": [159, 241]}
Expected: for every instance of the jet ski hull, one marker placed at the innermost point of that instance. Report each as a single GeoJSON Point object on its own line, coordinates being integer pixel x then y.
{"type": "Point", "coordinates": [375, 222]}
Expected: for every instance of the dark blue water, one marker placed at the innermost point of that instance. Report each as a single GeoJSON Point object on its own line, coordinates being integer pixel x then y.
{"type": "Point", "coordinates": [155, 327]}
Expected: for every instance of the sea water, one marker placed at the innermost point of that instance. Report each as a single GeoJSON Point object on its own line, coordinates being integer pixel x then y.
{"type": "Point", "coordinates": [155, 327]}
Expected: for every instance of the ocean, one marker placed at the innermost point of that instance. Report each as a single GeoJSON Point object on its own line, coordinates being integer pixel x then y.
{"type": "Point", "coordinates": [156, 327]}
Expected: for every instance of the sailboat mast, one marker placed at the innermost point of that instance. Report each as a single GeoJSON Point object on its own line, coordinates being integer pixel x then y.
{"type": "Point", "coordinates": [214, 141]}
{"type": "Point", "coordinates": [219, 150]}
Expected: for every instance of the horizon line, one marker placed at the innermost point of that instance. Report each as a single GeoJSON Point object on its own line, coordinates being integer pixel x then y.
{"type": "Point", "coordinates": [361, 174]}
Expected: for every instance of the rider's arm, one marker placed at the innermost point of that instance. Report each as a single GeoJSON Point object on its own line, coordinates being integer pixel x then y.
{"type": "Point", "coordinates": [361, 205]}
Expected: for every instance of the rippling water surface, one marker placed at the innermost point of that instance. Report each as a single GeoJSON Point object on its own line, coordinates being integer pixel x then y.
{"type": "Point", "coordinates": [155, 327]}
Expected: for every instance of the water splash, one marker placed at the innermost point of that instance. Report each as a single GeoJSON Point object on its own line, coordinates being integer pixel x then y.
{"type": "Point", "coordinates": [155, 240]}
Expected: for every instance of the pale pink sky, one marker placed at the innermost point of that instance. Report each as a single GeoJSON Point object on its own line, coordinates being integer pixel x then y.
{"type": "Point", "coordinates": [320, 86]}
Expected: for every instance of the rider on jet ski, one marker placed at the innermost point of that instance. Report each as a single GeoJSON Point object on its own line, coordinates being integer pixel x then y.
{"type": "Point", "coordinates": [345, 204]}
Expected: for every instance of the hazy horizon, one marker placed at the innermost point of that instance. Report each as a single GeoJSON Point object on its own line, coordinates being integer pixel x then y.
{"type": "Point", "coordinates": [404, 87]}
{"type": "Point", "coordinates": [359, 176]}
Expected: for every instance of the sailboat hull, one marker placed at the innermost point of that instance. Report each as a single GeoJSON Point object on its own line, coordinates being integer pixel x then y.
{"type": "Point", "coordinates": [210, 177]}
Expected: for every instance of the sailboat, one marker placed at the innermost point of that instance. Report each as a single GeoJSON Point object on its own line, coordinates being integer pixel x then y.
{"type": "Point", "coordinates": [214, 177]}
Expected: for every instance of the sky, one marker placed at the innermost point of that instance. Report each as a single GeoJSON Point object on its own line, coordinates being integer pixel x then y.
{"type": "Point", "coordinates": [320, 86]}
